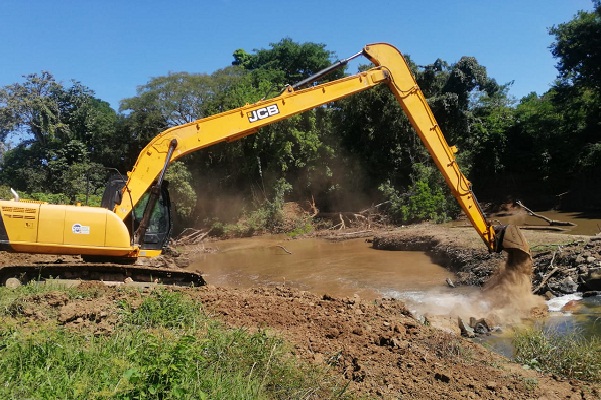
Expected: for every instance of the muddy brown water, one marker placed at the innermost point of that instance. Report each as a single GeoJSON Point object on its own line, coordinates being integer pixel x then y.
{"type": "Point", "coordinates": [349, 267]}
{"type": "Point", "coordinates": [352, 267]}
{"type": "Point", "coordinates": [338, 268]}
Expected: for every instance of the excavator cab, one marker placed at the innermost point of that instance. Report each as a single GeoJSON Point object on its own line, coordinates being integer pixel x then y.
{"type": "Point", "coordinates": [160, 219]}
{"type": "Point", "coordinates": [160, 224]}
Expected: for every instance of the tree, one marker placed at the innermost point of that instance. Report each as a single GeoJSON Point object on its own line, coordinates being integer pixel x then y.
{"type": "Point", "coordinates": [377, 139]}
{"type": "Point", "coordinates": [32, 109]}
{"type": "Point", "coordinates": [180, 97]}
{"type": "Point", "coordinates": [300, 149]}
{"type": "Point", "coordinates": [183, 97]}
{"type": "Point", "coordinates": [250, 168]}
{"type": "Point", "coordinates": [181, 193]}
{"type": "Point", "coordinates": [287, 62]}
{"type": "Point", "coordinates": [471, 108]}
{"type": "Point", "coordinates": [491, 117]}
{"type": "Point", "coordinates": [577, 47]}
{"type": "Point", "coordinates": [62, 133]}
{"type": "Point", "coordinates": [455, 93]}
{"type": "Point", "coordinates": [577, 96]}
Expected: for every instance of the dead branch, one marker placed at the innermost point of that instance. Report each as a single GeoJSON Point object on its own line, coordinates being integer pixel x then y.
{"type": "Point", "coordinates": [546, 277]}
{"type": "Point", "coordinates": [190, 236]}
{"type": "Point", "coordinates": [313, 207]}
{"type": "Point", "coordinates": [283, 248]}
{"type": "Point", "coordinates": [342, 225]}
{"type": "Point", "coordinates": [368, 210]}
{"type": "Point", "coordinates": [334, 227]}
{"type": "Point", "coordinates": [360, 217]}
{"type": "Point", "coordinates": [550, 221]}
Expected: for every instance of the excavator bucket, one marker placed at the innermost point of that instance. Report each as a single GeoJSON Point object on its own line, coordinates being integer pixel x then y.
{"type": "Point", "coordinates": [513, 241]}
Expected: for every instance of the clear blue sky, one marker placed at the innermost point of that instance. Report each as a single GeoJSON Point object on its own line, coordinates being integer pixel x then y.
{"type": "Point", "coordinates": [113, 46]}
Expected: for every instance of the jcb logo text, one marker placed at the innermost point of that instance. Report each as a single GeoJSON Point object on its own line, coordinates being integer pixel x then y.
{"type": "Point", "coordinates": [262, 113]}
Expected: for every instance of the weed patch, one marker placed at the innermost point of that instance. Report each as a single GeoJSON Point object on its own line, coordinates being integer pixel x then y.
{"type": "Point", "coordinates": [162, 348]}
{"type": "Point", "coordinates": [569, 355]}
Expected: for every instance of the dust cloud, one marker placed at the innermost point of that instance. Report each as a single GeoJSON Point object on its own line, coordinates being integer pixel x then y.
{"type": "Point", "coordinates": [506, 299]}
{"type": "Point", "coordinates": [508, 293]}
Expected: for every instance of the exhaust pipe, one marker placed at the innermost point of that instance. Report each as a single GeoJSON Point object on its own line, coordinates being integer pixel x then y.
{"type": "Point", "coordinates": [16, 197]}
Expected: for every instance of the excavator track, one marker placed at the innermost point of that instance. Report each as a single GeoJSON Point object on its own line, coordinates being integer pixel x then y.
{"type": "Point", "coordinates": [73, 273]}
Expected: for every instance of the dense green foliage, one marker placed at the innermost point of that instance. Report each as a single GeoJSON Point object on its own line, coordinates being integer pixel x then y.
{"type": "Point", "coordinates": [163, 348]}
{"type": "Point", "coordinates": [424, 199]}
{"type": "Point", "coordinates": [64, 138]}
{"type": "Point", "coordinates": [544, 149]}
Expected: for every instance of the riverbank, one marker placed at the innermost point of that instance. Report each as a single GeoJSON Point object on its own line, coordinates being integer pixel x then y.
{"type": "Point", "coordinates": [390, 354]}
{"type": "Point", "coordinates": [372, 349]}
{"type": "Point", "coordinates": [562, 264]}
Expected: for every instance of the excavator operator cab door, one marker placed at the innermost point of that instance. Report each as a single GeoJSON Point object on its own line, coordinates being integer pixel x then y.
{"type": "Point", "coordinates": [160, 225]}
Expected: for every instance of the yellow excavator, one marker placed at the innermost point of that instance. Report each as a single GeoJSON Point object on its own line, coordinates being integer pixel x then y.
{"type": "Point", "coordinates": [134, 220]}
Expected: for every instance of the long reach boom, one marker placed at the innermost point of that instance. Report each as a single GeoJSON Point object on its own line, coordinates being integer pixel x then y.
{"type": "Point", "coordinates": [390, 68]}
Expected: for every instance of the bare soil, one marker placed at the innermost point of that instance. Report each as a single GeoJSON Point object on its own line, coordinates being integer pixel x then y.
{"type": "Point", "coordinates": [377, 346]}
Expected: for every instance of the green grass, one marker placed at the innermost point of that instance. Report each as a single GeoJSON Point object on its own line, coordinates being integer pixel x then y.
{"type": "Point", "coordinates": [566, 354]}
{"type": "Point", "coordinates": [163, 348]}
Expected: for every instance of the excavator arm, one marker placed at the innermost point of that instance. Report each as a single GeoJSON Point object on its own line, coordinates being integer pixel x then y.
{"type": "Point", "coordinates": [390, 68]}
{"type": "Point", "coordinates": [412, 100]}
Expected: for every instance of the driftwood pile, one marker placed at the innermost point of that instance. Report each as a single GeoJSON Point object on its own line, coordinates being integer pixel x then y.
{"type": "Point", "coordinates": [190, 236]}
{"type": "Point", "coordinates": [364, 219]}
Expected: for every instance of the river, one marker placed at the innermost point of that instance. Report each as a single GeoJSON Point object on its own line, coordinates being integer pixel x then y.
{"type": "Point", "coordinates": [353, 268]}
{"type": "Point", "coordinates": [343, 268]}
{"type": "Point", "coordinates": [338, 268]}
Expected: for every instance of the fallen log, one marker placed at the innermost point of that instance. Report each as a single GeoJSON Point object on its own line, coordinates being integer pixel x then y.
{"type": "Point", "coordinates": [550, 221]}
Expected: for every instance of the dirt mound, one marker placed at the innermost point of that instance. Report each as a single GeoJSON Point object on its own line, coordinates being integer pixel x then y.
{"type": "Point", "coordinates": [380, 348]}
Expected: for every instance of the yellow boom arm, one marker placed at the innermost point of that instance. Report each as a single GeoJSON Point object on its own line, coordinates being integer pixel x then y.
{"type": "Point", "coordinates": [390, 68]}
